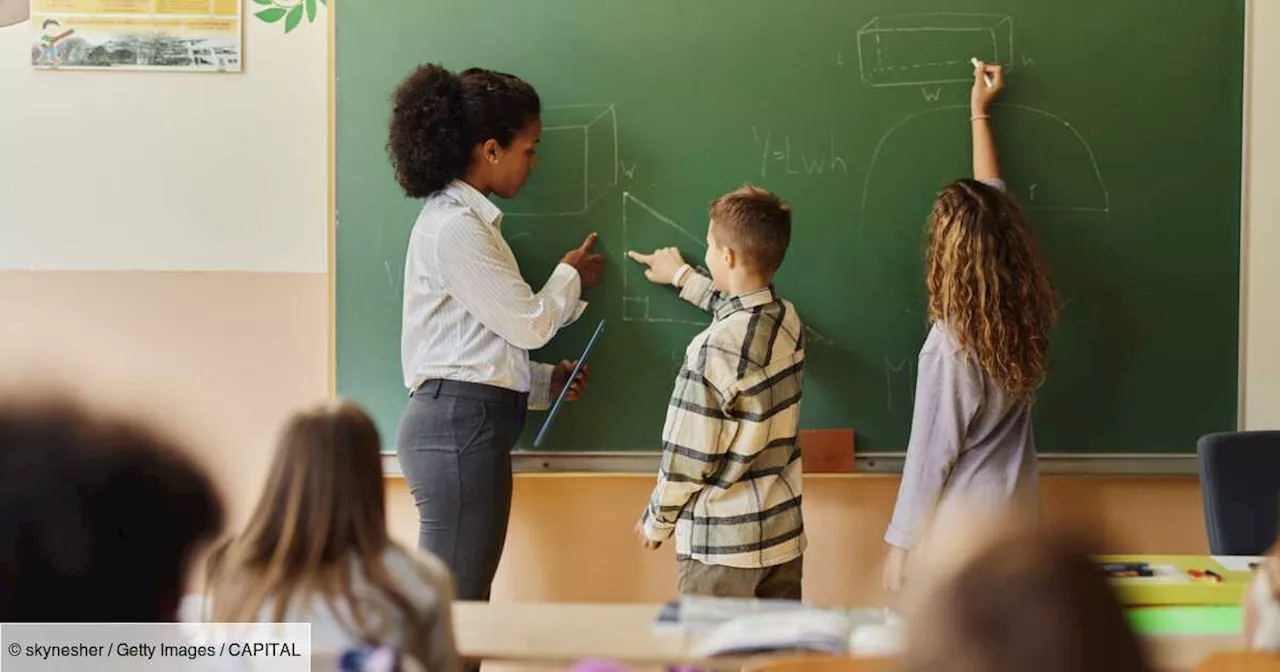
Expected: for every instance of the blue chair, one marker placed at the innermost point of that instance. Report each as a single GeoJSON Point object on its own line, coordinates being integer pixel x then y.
{"type": "Point", "coordinates": [1240, 483]}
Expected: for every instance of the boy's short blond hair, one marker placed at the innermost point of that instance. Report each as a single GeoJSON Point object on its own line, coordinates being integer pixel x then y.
{"type": "Point", "coordinates": [756, 224]}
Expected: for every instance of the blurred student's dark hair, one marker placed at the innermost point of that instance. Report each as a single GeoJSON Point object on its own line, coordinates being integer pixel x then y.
{"type": "Point", "coordinates": [100, 517]}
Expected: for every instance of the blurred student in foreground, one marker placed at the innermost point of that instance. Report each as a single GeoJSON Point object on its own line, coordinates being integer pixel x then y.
{"type": "Point", "coordinates": [1262, 604]}
{"type": "Point", "coordinates": [100, 518]}
{"type": "Point", "coordinates": [316, 550]}
{"type": "Point", "coordinates": [994, 593]}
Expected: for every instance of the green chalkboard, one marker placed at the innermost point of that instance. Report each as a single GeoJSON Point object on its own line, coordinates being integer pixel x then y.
{"type": "Point", "coordinates": [1120, 133]}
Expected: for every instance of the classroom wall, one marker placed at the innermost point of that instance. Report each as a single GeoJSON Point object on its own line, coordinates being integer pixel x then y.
{"type": "Point", "coordinates": [187, 279]}
{"type": "Point", "coordinates": [154, 171]}
{"type": "Point", "coordinates": [164, 241]}
{"type": "Point", "coordinates": [571, 537]}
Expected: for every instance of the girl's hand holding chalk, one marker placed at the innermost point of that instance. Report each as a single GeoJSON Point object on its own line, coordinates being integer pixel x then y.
{"type": "Point", "coordinates": [988, 81]}
{"type": "Point", "coordinates": [978, 67]}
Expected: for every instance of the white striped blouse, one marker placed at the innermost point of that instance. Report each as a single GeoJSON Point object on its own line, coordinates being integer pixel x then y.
{"type": "Point", "coordinates": [469, 315]}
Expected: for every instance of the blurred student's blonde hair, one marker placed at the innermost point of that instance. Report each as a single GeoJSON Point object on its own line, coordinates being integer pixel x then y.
{"type": "Point", "coordinates": [321, 522]}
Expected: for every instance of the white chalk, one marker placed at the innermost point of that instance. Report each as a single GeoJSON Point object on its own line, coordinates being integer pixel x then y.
{"type": "Point", "coordinates": [985, 77]}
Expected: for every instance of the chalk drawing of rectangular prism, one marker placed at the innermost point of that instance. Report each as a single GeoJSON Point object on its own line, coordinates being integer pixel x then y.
{"type": "Point", "coordinates": [578, 162]}
{"type": "Point", "coordinates": [924, 49]}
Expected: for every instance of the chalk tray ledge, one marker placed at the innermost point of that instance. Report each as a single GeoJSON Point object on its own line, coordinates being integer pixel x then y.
{"type": "Point", "coordinates": [865, 464]}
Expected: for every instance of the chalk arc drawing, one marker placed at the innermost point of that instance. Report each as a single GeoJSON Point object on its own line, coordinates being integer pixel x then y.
{"type": "Point", "coordinates": [1103, 208]}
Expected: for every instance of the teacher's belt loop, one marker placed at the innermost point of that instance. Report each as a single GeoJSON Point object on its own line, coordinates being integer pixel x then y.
{"type": "Point", "coordinates": [431, 386]}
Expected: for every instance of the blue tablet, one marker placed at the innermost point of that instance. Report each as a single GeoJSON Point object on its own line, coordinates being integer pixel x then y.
{"type": "Point", "coordinates": [555, 408]}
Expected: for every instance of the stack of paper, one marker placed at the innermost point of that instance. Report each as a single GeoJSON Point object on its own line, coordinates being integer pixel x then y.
{"type": "Point", "coordinates": [703, 614]}
{"type": "Point", "coordinates": [799, 630]}
{"type": "Point", "coordinates": [727, 626]}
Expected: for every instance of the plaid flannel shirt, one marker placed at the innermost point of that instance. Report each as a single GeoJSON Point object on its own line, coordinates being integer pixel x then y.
{"type": "Point", "coordinates": [729, 484]}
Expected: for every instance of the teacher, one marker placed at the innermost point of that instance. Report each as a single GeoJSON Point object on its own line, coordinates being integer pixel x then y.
{"type": "Point", "coordinates": [470, 319]}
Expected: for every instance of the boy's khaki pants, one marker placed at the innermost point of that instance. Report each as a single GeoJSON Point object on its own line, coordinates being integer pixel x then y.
{"type": "Point", "coordinates": [777, 582]}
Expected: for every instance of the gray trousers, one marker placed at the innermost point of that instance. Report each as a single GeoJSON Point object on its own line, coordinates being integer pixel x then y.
{"type": "Point", "coordinates": [454, 445]}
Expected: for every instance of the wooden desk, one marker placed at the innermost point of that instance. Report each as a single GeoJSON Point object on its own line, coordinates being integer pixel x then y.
{"type": "Point", "coordinates": [1184, 654]}
{"type": "Point", "coordinates": [561, 634]}
{"type": "Point", "coordinates": [567, 633]}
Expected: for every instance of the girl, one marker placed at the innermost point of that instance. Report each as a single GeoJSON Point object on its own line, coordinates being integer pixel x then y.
{"type": "Point", "coordinates": [316, 550]}
{"type": "Point", "coordinates": [991, 308]}
{"type": "Point", "coordinates": [470, 319]}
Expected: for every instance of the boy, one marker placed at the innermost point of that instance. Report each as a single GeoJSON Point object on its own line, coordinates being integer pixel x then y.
{"type": "Point", "coordinates": [49, 37]}
{"type": "Point", "coordinates": [729, 484]}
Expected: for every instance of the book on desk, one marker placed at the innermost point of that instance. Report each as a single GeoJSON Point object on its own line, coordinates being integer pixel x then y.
{"type": "Point", "coordinates": [744, 626]}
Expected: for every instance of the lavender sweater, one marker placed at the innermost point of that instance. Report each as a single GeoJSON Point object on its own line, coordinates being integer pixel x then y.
{"type": "Point", "coordinates": [970, 441]}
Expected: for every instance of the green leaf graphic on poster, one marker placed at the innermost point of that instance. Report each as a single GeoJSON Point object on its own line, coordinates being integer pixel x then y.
{"type": "Point", "coordinates": [295, 17]}
{"type": "Point", "coordinates": [292, 11]}
{"type": "Point", "coordinates": [272, 15]}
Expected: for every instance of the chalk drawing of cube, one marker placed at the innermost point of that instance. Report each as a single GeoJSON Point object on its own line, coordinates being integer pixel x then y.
{"type": "Point", "coordinates": [577, 162]}
{"type": "Point", "coordinates": [924, 49]}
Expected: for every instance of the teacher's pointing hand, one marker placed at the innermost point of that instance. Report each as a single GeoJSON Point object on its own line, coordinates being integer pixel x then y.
{"type": "Point", "coordinates": [588, 265]}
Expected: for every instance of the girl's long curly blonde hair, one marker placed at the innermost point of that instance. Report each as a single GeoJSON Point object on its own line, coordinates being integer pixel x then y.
{"type": "Point", "coordinates": [988, 284]}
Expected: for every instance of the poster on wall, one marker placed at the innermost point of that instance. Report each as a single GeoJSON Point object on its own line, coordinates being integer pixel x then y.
{"type": "Point", "coordinates": [170, 35]}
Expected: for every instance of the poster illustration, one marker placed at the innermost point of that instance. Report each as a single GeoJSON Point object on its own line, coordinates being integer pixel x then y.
{"type": "Point", "coordinates": [181, 35]}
